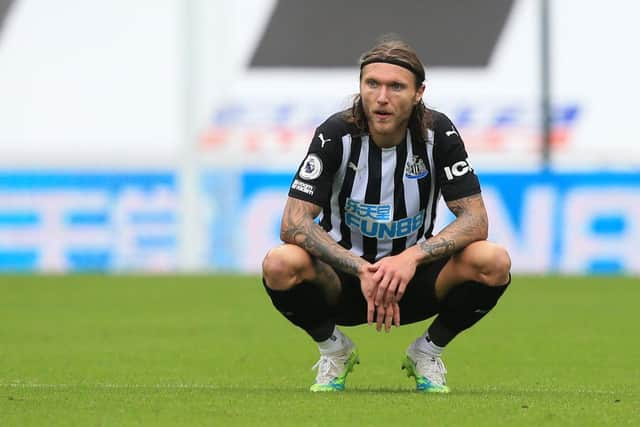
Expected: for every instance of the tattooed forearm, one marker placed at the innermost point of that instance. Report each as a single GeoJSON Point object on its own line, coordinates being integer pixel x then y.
{"type": "Point", "coordinates": [437, 247]}
{"type": "Point", "coordinates": [471, 224]}
{"type": "Point", "coordinates": [299, 229]}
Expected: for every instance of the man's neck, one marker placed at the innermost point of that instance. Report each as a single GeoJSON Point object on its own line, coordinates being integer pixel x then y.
{"type": "Point", "coordinates": [389, 140]}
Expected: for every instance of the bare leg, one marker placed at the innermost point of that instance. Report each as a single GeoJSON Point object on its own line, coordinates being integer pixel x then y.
{"type": "Point", "coordinates": [288, 265]}
{"type": "Point", "coordinates": [302, 288]}
{"type": "Point", "coordinates": [482, 262]}
{"type": "Point", "coordinates": [468, 287]}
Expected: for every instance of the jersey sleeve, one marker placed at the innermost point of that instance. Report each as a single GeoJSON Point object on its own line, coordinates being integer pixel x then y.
{"type": "Point", "coordinates": [455, 174]}
{"type": "Point", "coordinates": [314, 178]}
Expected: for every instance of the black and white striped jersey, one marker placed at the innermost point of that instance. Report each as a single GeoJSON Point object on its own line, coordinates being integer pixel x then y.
{"type": "Point", "coordinates": [380, 201]}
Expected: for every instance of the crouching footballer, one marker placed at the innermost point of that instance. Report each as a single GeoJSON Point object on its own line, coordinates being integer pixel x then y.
{"type": "Point", "coordinates": [358, 228]}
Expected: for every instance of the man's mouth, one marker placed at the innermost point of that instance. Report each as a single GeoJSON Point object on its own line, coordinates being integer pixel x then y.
{"type": "Point", "coordinates": [380, 114]}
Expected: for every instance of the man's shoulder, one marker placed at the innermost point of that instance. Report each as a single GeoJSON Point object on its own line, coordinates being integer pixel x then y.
{"type": "Point", "coordinates": [338, 125]}
{"type": "Point", "coordinates": [439, 121]}
{"type": "Point", "coordinates": [446, 136]}
{"type": "Point", "coordinates": [444, 131]}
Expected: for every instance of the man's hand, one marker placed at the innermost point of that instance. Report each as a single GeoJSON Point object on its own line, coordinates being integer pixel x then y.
{"type": "Point", "coordinates": [392, 274]}
{"type": "Point", "coordinates": [383, 315]}
{"type": "Point", "coordinates": [387, 315]}
{"type": "Point", "coordinates": [368, 286]}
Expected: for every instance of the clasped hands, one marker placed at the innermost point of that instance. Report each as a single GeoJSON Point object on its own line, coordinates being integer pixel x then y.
{"type": "Point", "coordinates": [383, 284]}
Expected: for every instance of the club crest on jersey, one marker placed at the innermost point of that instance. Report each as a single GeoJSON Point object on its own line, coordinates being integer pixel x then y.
{"type": "Point", "coordinates": [415, 168]}
{"type": "Point", "coordinates": [311, 167]}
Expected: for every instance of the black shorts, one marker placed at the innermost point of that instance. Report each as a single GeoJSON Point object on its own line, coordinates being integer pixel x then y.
{"type": "Point", "coordinates": [418, 303]}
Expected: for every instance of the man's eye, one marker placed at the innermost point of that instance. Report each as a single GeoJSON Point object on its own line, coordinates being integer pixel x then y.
{"type": "Point", "coordinates": [372, 84]}
{"type": "Point", "coordinates": [396, 86]}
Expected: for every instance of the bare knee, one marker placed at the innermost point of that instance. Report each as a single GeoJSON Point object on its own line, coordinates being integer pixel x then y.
{"type": "Point", "coordinates": [286, 266]}
{"type": "Point", "coordinates": [490, 263]}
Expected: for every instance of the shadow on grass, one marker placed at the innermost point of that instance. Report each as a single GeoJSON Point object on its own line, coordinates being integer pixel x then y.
{"type": "Point", "coordinates": [455, 393]}
{"type": "Point", "coordinates": [249, 389]}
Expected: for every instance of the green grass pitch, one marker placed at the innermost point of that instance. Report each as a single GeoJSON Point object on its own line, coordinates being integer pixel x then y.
{"type": "Point", "coordinates": [117, 350]}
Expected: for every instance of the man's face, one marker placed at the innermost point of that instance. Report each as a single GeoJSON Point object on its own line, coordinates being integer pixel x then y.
{"type": "Point", "coordinates": [388, 94]}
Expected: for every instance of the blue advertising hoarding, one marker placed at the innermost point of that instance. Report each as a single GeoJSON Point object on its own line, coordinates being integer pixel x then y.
{"type": "Point", "coordinates": [574, 223]}
{"type": "Point", "coordinates": [78, 221]}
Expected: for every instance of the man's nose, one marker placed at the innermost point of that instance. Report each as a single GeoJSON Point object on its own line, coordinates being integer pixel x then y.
{"type": "Point", "coordinates": [382, 95]}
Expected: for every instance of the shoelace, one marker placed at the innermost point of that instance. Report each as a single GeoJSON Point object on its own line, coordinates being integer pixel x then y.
{"type": "Point", "coordinates": [433, 368]}
{"type": "Point", "coordinates": [328, 369]}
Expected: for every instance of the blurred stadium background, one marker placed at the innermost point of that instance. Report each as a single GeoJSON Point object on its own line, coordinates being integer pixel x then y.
{"type": "Point", "coordinates": [160, 136]}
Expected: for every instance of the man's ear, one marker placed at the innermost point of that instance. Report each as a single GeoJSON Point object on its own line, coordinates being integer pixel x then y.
{"type": "Point", "coordinates": [419, 93]}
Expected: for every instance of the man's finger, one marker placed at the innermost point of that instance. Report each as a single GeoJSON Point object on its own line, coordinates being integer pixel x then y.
{"type": "Point", "coordinates": [379, 274]}
{"type": "Point", "coordinates": [396, 314]}
{"type": "Point", "coordinates": [382, 288]}
{"type": "Point", "coordinates": [379, 318]}
{"type": "Point", "coordinates": [402, 287]}
{"type": "Point", "coordinates": [389, 318]}
{"type": "Point", "coordinates": [370, 310]}
{"type": "Point", "coordinates": [390, 295]}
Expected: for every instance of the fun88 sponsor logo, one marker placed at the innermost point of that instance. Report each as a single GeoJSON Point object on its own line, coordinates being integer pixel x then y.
{"type": "Point", "coordinates": [375, 220]}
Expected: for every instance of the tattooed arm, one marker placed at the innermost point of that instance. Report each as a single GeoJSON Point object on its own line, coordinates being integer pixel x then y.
{"type": "Point", "coordinates": [471, 224]}
{"type": "Point", "coordinates": [394, 273]}
{"type": "Point", "coordinates": [298, 228]}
